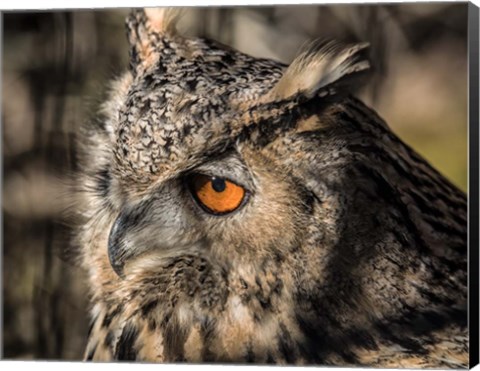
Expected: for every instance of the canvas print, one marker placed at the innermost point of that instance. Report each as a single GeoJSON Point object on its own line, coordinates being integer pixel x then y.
{"type": "Point", "coordinates": [268, 185]}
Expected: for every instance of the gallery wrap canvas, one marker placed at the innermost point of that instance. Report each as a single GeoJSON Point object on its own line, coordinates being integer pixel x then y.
{"type": "Point", "coordinates": [269, 185]}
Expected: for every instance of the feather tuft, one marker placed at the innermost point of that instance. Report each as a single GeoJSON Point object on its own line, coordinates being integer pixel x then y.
{"type": "Point", "coordinates": [322, 66]}
{"type": "Point", "coordinates": [163, 20]}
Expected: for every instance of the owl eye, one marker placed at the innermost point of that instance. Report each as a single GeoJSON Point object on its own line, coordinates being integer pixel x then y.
{"type": "Point", "coordinates": [216, 195]}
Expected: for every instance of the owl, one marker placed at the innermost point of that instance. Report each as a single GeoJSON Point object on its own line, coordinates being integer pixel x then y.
{"type": "Point", "coordinates": [235, 209]}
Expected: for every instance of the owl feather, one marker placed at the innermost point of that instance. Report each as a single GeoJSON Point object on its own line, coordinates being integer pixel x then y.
{"type": "Point", "coordinates": [234, 209]}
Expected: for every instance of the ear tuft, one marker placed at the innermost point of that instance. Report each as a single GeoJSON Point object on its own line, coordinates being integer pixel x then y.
{"type": "Point", "coordinates": [163, 20]}
{"type": "Point", "coordinates": [321, 68]}
{"type": "Point", "coordinates": [145, 28]}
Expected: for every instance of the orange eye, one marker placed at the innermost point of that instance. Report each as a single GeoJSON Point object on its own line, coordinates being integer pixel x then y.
{"type": "Point", "coordinates": [217, 195]}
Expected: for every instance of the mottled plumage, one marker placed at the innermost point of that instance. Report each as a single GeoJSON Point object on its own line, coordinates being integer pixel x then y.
{"type": "Point", "coordinates": [349, 248]}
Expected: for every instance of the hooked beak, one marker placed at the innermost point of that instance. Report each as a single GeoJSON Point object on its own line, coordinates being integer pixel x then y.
{"type": "Point", "coordinates": [121, 247]}
{"type": "Point", "coordinates": [117, 253]}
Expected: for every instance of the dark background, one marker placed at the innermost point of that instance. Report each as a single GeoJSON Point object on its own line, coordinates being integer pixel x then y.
{"type": "Point", "coordinates": [56, 66]}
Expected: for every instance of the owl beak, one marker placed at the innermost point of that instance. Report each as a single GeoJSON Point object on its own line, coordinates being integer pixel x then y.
{"type": "Point", "coordinates": [121, 248]}
{"type": "Point", "coordinates": [117, 251]}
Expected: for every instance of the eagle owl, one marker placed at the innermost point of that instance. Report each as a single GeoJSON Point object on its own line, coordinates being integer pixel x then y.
{"type": "Point", "coordinates": [235, 209]}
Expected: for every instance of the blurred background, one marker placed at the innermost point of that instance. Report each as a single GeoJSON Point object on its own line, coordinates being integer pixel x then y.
{"type": "Point", "coordinates": [56, 66]}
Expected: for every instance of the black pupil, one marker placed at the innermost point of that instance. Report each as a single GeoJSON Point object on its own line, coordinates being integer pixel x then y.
{"type": "Point", "coordinates": [218, 184]}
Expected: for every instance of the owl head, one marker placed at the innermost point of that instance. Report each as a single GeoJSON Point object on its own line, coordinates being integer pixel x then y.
{"type": "Point", "coordinates": [237, 207]}
{"type": "Point", "coordinates": [194, 137]}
